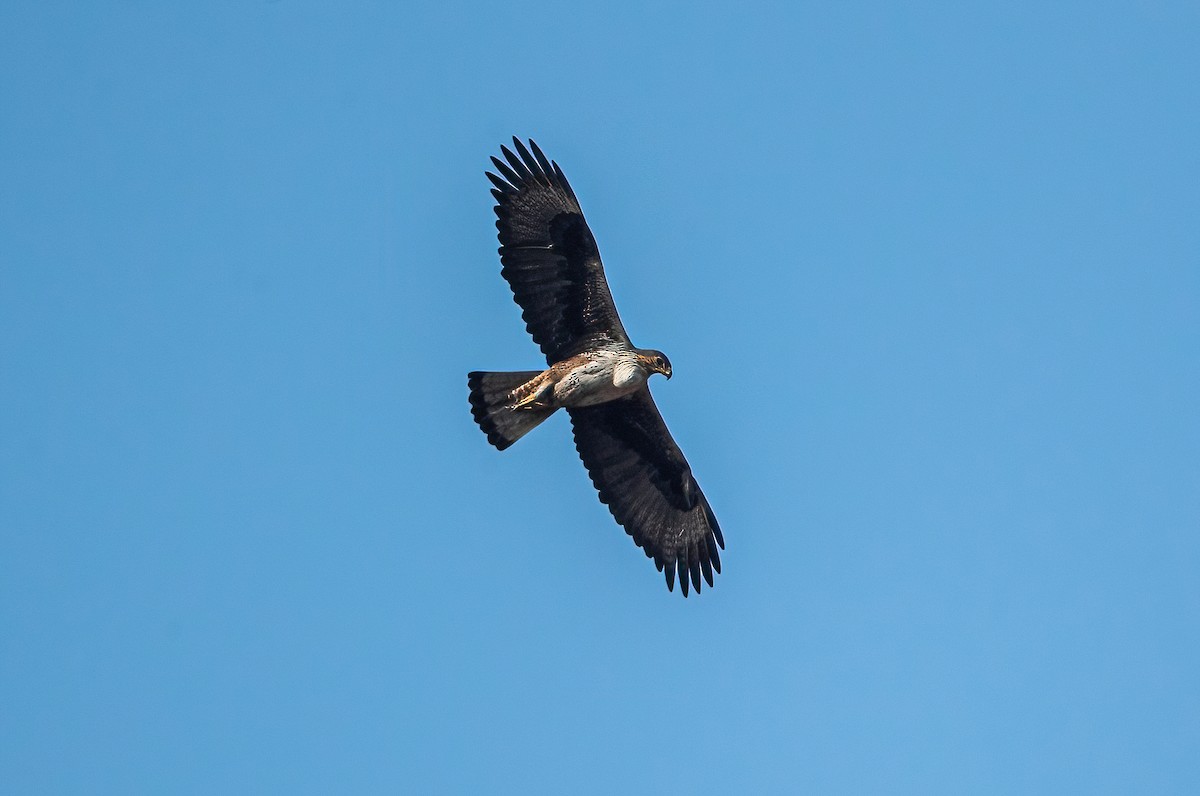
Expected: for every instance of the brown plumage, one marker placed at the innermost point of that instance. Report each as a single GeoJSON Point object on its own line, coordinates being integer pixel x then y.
{"type": "Point", "coordinates": [553, 266]}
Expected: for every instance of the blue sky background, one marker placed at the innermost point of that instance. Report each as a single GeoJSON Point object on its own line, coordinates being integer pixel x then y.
{"type": "Point", "coordinates": [930, 280]}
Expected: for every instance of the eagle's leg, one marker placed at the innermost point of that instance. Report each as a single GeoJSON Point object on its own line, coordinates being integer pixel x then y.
{"type": "Point", "coordinates": [535, 393]}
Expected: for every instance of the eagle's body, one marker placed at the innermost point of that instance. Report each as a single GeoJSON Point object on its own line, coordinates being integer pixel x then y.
{"type": "Point", "coordinates": [593, 377]}
{"type": "Point", "coordinates": [551, 262]}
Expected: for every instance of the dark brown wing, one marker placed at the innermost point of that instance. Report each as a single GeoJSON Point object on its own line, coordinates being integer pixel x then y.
{"type": "Point", "coordinates": [648, 486]}
{"type": "Point", "coordinates": [549, 256]}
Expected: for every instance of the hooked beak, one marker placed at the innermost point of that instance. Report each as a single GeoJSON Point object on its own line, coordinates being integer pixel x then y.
{"type": "Point", "coordinates": [667, 373]}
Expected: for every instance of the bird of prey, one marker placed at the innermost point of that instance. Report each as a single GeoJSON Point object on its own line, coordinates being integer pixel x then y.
{"type": "Point", "coordinates": [551, 262]}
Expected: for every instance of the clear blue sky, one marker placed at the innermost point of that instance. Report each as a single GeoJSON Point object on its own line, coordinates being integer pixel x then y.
{"type": "Point", "coordinates": [930, 280]}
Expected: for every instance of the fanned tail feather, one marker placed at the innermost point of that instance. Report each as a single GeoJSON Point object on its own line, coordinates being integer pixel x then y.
{"type": "Point", "coordinates": [491, 405]}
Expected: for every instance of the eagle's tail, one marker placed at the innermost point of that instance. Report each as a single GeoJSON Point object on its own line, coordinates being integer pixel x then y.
{"type": "Point", "coordinates": [491, 404]}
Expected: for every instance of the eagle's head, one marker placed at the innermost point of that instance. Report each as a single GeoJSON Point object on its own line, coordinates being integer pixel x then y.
{"type": "Point", "coordinates": [655, 362]}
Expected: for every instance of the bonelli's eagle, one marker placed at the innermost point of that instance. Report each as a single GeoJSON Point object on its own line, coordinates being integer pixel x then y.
{"type": "Point", "coordinates": [552, 264]}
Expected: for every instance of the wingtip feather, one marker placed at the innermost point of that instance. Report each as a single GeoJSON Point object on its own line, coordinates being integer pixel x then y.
{"type": "Point", "coordinates": [713, 554]}
{"type": "Point", "coordinates": [542, 161]}
{"type": "Point", "coordinates": [706, 566]}
{"type": "Point", "coordinates": [513, 178]}
{"type": "Point", "coordinates": [694, 567]}
{"type": "Point", "coordinates": [498, 181]}
{"type": "Point", "coordinates": [517, 164]}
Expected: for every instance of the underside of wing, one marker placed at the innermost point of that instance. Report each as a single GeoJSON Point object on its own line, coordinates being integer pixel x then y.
{"type": "Point", "coordinates": [549, 256]}
{"type": "Point", "coordinates": [646, 483]}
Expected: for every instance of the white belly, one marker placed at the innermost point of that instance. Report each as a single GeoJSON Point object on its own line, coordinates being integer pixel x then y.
{"type": "Point", "coordinates": [599, 380]}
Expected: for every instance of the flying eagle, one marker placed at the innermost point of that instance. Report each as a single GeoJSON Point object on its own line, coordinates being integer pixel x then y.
{"type": "Point", "coordinates": [552, 264]}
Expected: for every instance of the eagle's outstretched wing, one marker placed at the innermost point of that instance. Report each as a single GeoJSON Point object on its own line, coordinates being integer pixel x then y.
{"type": "Point", "coordinates": [550, 257]}
{"type": "Point", "coordinates": [648, 486]}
